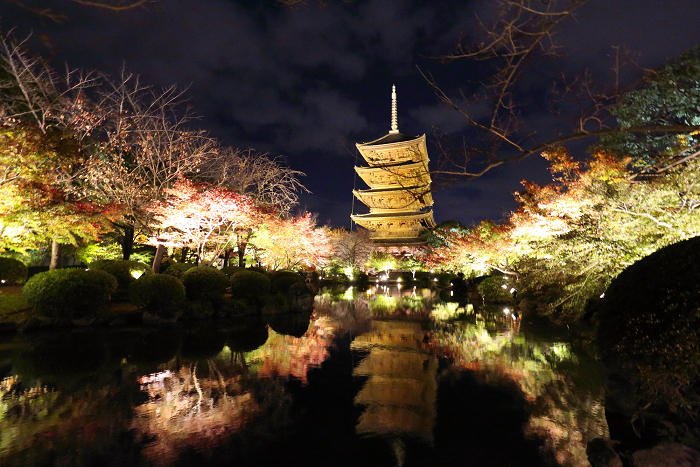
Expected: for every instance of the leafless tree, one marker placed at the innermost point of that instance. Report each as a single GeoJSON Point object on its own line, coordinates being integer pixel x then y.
{"type": "Point", "coordinates": [269, 180]}
{"type": "Point", "coordinates": [144, 144]}
{"type": "Point", "coordinates": [58, 17]}
{"type": "Point", "coordinates": [521, 33]}
{"type": "Point", "coordinates": [352, 248]}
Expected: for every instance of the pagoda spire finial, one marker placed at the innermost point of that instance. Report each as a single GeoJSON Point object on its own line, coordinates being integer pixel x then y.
{"type": "Point", "coordinates": [394, 117]}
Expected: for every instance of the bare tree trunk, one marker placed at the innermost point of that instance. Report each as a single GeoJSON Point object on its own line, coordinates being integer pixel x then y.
{"type": "Point", "coordinates": [241, 254]}
{"type": "Point", "coordinates": [55, 254]}
{"type": "Point", "coordinates": [183, 254]}
{"type": "Point", "coordinates": [227, 257]}
{"type": "Point", "coordinates": [128, 243]}
{"type": "Point", "coordinates": [160, 251]}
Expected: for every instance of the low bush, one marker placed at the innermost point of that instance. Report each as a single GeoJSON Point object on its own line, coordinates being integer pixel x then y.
{"type": "Point", "coordinates": [126, 272]}
{"type": "Point", "coordinates": [12, 271]}
{"type": "Point", "coordinates": [205, 284]}
{"type": "Point", "coordinates": [178, 269]}
{"type": "Point", "coordinates": [69, 293]}
{"type": "Point", "coordinates": [275, 303]}
{"type": "Point", "coordinates": [158, 293]}
{"type": "Point", "coordinates": [231, 270]}
{"type": "Point", "coordinates": [281, 281]}
{"type": "Point", "coordinates": [649, 327]}
{"type": "Point", "coordinates": [250, 285]}
{"type": "Point", "coordinates": [298, 290]}
{"type": "Point", "coordinates": [258, 269]}
{"type": "Point", "coordinates": [232, 307]}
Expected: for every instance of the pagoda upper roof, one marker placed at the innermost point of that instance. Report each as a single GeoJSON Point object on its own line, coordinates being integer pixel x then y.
{"type": "Point", "coordinates": [390, 138]}
{"type": "Point", "coordinates": [397, 215]}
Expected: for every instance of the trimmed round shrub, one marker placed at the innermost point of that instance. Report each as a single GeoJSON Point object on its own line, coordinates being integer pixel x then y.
{"type": "Point", "coordinates": [160, 293]}
{"type": "Point", "coordinates": [276, 303]}
{"type": "Point", "coordinates": [250, 285]}
{"type": "Point", "coordinates": [69, 293]}
{"type": "Point", "coordinates": [649, 326]}
{"type": "Point", "coordinates": [106, 279]}
{"type": "Point", "coordinates": [178, 269]}
{"type": "Point", "coordinates": [281, 281]}
{"type": "Point", "coordinates": [231, 270]}
{"type": "Point", "coordinates": [12, 271]}
{"type": "Point", "coordinates": [257, 269]}
{"type": "Point", "coordinates": [126, 272]}
{"type": "Point", "coordinates": [298, 290]}
{"type": "Point", "coordinates": [205, 283]}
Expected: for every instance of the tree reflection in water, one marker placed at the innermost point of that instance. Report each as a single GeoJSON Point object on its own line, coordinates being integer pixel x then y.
{"type": "Point", "coordinates": [187, 410]}
{"type": "Point", "coordinates": [116, 396]}
{"type": "Point", "coordinates": [567, 411]}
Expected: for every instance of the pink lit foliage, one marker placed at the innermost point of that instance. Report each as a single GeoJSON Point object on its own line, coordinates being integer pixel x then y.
{"type": "Point", "coordinates": [291, 243]}
{"type": "Point", "coordinates": [204, 218]}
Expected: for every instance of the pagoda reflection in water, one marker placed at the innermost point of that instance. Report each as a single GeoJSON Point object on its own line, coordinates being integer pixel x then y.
{"type": "Point", "coordinates": [401, 390]}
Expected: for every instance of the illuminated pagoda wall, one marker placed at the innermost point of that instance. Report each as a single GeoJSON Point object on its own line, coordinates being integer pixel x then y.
{"type": "Point", "coordinates": [399, 197]}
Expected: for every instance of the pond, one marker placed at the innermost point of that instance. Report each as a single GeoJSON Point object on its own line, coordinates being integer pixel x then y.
{"type": "Point", "coordinates": [380, 377]}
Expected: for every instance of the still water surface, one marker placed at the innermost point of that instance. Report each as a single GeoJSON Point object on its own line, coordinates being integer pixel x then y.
{"type": "Point", "coordinates": [384, 377]}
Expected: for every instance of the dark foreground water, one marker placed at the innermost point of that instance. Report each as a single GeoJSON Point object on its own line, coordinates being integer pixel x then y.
{"type": "Point", "coordinates": [366, 379]}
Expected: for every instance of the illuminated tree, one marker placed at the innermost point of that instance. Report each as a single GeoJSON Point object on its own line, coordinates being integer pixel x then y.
{"type": "Point", "coordinates": [266, 179]}
{"type": "Point", "coordinates": [143, 146]}
{"type": "Point", "coordinates": [203, 218]}
{"type": "Point", "coordinates": [669, 95]}
{"type": "Point", "coordinates": [290, 243]}
{"type": "Point", "coordinates": [41, 198]}
{"type": "Point", "coordinates": [568, 239]}
{"type": "Point", "coordinates": [352, 248]}
{"type": "Point", "coordinates": [473, 251]}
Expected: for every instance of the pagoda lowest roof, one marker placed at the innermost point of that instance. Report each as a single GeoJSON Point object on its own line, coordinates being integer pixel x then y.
{"type": "Point", "coordinates": [390, 138]}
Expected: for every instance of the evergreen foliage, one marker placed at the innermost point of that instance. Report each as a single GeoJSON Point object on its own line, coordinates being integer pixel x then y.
{"type": "Point", "coordinates": [125, 271]}
{"type": "Point", "coordinates": [158, 293]}
{"type": "Point", "coordinates": [12, 271]}
{"type": "Point", "coordinates": [649, 326]}
{"type": "Point", "coordinates": [281, 281]}
{"type": "Point", "coordinates": [69, 293]}
{"type": "Point", "coordinates": [250, 285]}
{"type": "Point", "coordinates": [205, 284]}
{"type": "Point", "coordinates": [178, 269]}
{"type": "Point", "coordinates": [671, 95]}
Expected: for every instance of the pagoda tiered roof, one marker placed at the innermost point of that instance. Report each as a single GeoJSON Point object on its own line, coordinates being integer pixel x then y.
{"type": "Point", "coordinates": [399, 196]}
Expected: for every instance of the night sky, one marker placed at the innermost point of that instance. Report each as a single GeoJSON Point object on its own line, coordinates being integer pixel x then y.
{"type": "Point", "coordinates": [308, 83]}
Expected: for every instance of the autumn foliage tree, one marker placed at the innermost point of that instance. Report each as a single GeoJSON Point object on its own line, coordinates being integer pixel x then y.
{"type": "Point", "coordinates": [203, 218]}
{"type": "Point", "coordinates": [570, 238]}
{"type": "Point", "coordinates": [292, 243]}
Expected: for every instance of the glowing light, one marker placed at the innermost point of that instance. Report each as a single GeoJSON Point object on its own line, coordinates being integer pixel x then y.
{"type": "Point", "coordinates": [602, 295]}
{"type": "Point", "coordinates": [2, 281]}
{"type": "Point", "coordinates": [136, 274]}
{"type": "Point", "coordinates": [504, 286]}
{"type": "Point", "coordinates": [512, 289]}
{"type": "Point", "coordinates": [506, 310]}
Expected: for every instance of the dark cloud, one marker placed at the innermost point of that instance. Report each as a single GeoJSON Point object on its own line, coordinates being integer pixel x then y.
{"type": "Point", "coordinates": [310, 82]}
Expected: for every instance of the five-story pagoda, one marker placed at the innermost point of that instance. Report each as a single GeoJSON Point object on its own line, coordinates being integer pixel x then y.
{"type": "Point", "coordinates": [399, 198]}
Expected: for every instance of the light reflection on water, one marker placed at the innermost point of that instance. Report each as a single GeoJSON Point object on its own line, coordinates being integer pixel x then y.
{"type": "Point", "coordinates": [154, 394]}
